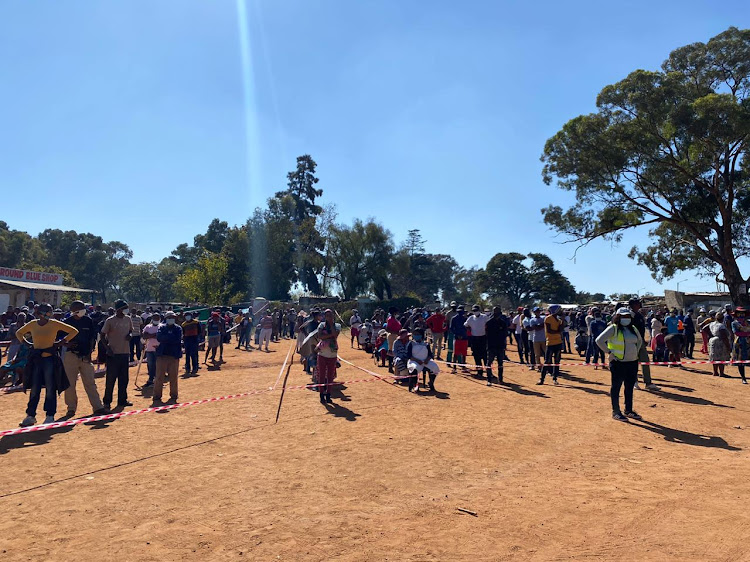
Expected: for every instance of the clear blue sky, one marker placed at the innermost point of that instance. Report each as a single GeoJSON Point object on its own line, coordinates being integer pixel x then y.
{"type": "Point", "coordinates": [133, 120]}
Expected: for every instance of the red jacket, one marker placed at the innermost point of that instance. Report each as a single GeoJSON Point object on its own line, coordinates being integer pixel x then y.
{"type": "Point", "coordinates": [436, 323]}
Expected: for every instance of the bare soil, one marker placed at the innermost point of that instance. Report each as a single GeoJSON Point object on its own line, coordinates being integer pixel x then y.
{"type": "Point", "coordinates": [380, 475]}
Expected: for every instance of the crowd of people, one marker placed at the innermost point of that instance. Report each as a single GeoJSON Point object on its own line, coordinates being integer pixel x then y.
{"type": "Point", "coordinates": [51, 349]}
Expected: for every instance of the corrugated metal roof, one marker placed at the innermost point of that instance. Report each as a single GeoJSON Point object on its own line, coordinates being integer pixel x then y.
{"type": "Point", "coordinates": [44, 286]}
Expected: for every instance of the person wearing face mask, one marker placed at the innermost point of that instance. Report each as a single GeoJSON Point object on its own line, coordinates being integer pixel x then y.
{"type": "Point", "coordinates": [418, 357]}
{"type": "Point", "coordinates": [460, 338]}
{"type": "Point", "coordinates": [449, 316]}
{"type": "Point", "coordinates": [44, 363]}
{"type": "Point", "coordinates": [77, 360]}
{"type": "Point", "coordinates": [477, 323]}
{"type": "Point", "coordinates": [400, 353]}
{"type": "Point", "coordinates": [169, 336]}
{"type": "Point", "coordinates": [623, 342]}
{"type": "Point", "coordinates": [116, 333]}
{"type": "Point", "coordinates": [149, 337]}
{"type": "Point", "coordinates": [136, 347]}
{"type": "Point", "coordinates": [639, 322]}
{"type": "Point", "coordinates": [191, 331]}
{"type": "Point", "coordinates": [741, 331]}
{"type": "Point", "coordinates": [553, 327]}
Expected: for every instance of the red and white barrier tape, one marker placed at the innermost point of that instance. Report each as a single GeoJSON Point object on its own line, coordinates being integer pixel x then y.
{"type": "Point", "coordinates": [118, 415]}
{"type": "Point", "coordinates": [603, 363]}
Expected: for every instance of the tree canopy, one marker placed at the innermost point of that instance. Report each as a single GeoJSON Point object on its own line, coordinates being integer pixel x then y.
{"type": "Point", "coordinates": [666, 149]}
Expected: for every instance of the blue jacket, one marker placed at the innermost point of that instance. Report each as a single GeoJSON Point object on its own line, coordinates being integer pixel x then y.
{"type": "Point", "coordinates": [170, 341]}
{"type": "Point", "coordinates": [457, 327]}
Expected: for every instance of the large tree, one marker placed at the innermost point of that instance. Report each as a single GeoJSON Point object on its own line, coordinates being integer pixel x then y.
{"type": "Point", "coordinates": [506, 275]}
{"type": "Point", "coordinates": [666, 149]}
{"type": "Point", "coordinates": [549, 284]}
{"type": "Point", "coordinates": [360, 254]}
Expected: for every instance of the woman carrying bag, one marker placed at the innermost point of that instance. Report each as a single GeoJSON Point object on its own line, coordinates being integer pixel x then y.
{"type": "Point", "coordinates": [622, 342]}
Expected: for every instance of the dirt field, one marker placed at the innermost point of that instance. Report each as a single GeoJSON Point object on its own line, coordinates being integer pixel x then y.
{"type": "Point", "coordinates": [380, 475]}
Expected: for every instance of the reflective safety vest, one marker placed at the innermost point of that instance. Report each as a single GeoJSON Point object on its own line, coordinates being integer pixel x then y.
{"type": "Point", "coordinates": [616, 345]}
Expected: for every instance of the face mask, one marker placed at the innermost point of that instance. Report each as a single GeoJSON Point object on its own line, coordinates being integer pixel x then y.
{"type": "Point", "coordinates": [126, 311]}
{"type": "Point", "coordinates": [417, 338]}
{"type": "Point", "coordinates": [155, 322]}
{"type": "Point", "coordinates": [624, 321]}
{"type": "Point", "coordinates": [170, 321]}
{"type": "Point", "coordinates": [476, 313]}
{"type": "Point", "coordinates": [188, 317]}
{"type": "Point", "coordinates": [80, 313]}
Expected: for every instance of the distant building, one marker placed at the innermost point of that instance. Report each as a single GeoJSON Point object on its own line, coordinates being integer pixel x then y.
{"type": "Point", "coordinates": [18, 286]}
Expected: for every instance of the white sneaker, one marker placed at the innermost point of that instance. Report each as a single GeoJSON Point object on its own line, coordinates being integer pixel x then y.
{"type": "Point", "coordinates": [637, 386]}
{"type": "Point", "coordinates": [28, 421]}
{"type": "Point", "coordinates": [653, 387]}
{"type": "Point", "coordinates": [49, 419]}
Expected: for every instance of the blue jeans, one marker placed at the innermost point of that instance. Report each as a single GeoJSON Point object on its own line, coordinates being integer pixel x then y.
{"type": "Point", "coordinates": [191, 354]}
{"type": "Point", "coordinates": [151, 365]}
{"type": "Point", "coordinates": [593, 351]}
{"type": "Point", "coordinates": [43, 376]}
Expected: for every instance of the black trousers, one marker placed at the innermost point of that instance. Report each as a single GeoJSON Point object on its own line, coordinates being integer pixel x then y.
{"type": "Point", "coordinates": [522, 342]}
{"type": "Point", "coordinates": [117, 372]}
{"type": "Point", "coordinates": [552, 355]}
{"type": "Point", "coordinates": [623, 372]}
{"type": "Point", "coordinates": [689, 345]}
{"type": "Point", "coordinates": [492, 354]}
{"type": "Point", "coordinates": [478, 346]}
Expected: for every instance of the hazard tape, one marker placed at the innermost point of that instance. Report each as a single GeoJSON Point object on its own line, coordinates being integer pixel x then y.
{"type": "Point", "coordinates": [603, 363]}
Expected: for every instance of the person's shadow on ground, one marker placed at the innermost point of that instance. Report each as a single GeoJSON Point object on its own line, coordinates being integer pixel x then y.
{"type": "Point", "coordinates": [689, 399]}
{"type": "Point", "coordinates": [684, 437]}
{"type": "Point", "coordinates": [23, 440]}
{"type": "Point", "coordinates": [340, 411]}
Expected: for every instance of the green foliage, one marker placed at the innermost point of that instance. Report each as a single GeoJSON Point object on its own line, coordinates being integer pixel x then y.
{"type": "Point", "coordinates": [18, 248]}
{"type": "Point", "coordinates": [667, 149]}
{"type": "Point", "coordinates": [360, 256]}
{"type": "Point", "coordinates": [206, 282]}
{"type": "Point", "coordinates": [140, 282]}
{"type": "Point", "coordinates": [507, 278]}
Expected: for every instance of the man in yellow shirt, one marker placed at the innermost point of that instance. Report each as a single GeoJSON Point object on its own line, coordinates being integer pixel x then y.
{"type": "Point", "coordinates": [553, 329]}
{"type": "Point", "coordinates": [44, 363]}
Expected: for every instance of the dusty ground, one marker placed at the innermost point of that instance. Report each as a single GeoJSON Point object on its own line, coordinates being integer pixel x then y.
{"type": "Point", "coordinates": [380, 475]}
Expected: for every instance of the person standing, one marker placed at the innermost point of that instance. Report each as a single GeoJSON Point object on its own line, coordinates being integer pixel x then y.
{"type": "Point", "coordinates": [191, 331]}
{"type": "Point", "coordinates": [149, 337]}
{"type": "Point", "coordinates": [77, 360]}
{"type": "Point", "coordinates": [393, 327]}
{"type": "Point", "coordinates": [436, 324]}
{"type": "Point", "coordinates": [449, 316]}
{"type": "Point", "coordinates": [168, 356]}
{"type": "Point", "coordinates": [266, 330]}
{"type": "Point", "coordinates": [354, 323]}
{"type": "Point", "coordinates": [720, 345]}
{"type": "Point", "coordinates": [622, 341]}
{"type": "Point", "coordinates": [553, 342]}
{"type": "Point", "coordinates": [689, 333]}
{"type": "Point", "coordinates": [116, 331]}
{"type": "Point", "coordinates": [44, 363]}
{"type": "Point", "coordinates": [497, 332]}
{"type": "Point", "coordinates": [478, 338]}
{"type": "Point", "coordinates": [521, 335]}
{"type": "Point", "coordinates": [538, 338]}
{"type": "Point", "coordinates": [328, 349]}
{"type": "Point", "coordinates": [639, 323]}
{"type": "Point", "coordinates": [741, 331]}
{"type": "Point", "coordinates": [136, 348]}
{"type": "Point", "coordinates": [214, 335]}
{"type": "Point", "coordinates": [702, 327]}
{"type": "Point", "coordinates": [460, 338]}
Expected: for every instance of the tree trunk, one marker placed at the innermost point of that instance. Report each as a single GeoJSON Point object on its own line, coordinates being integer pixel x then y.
{"type": "Point", "coordinates": [734, 279]}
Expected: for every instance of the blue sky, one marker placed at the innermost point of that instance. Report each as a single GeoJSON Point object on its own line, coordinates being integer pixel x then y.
{"type": "Point", "coordinates": [134, 120]}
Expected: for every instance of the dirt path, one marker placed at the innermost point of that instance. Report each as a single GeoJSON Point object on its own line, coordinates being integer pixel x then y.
{"type": "Point", "coordinates": [380, 475]}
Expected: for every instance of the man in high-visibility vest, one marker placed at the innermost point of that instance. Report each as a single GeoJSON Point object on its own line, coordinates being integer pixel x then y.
{"type": "Point", "coordinates": [623, 342]}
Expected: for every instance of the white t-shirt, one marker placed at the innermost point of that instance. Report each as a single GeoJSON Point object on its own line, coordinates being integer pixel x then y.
{"type": "Point", "coordinates": [518, 323]}
{"type": "Point", "coordinates": [477, 324]}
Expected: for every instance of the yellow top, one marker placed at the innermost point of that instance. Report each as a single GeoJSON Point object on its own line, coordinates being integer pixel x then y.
{"type": "Point", "coordinates": [44, 336]}
{"type": "Point", "coordinates": [553, 338]}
